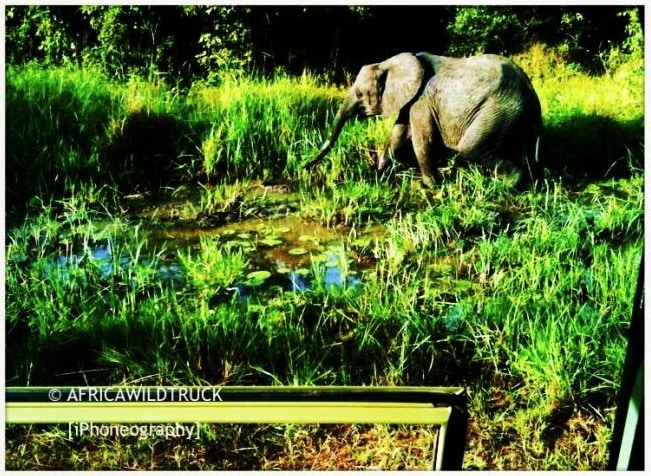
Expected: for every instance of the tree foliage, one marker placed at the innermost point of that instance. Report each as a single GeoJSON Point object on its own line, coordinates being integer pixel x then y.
{"type": "Point", "coordinates": [207, 42]}
{"type": "Point", "coordinates": [579, 32]}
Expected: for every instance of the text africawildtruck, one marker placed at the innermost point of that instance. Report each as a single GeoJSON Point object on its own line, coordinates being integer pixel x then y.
{"type": "Point", "coordinates": [136, 394]}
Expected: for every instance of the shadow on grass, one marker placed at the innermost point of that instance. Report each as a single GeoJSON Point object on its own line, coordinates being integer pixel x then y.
{"type": "Point", "coordinates": [585, 148]}
{"type": "Point", "coordinates": [100, 353]}
{"type": "Point", "coordinates": [52, 134]}
{"type": "Point", "coordinates": [144, 150]}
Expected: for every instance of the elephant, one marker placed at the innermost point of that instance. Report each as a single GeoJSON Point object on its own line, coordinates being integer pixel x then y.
{"type": "Point", "coordinates": [482, 107]}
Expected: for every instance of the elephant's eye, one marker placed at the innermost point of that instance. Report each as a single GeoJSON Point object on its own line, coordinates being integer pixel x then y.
{"type": "Point", "coordinates": [359, 94]}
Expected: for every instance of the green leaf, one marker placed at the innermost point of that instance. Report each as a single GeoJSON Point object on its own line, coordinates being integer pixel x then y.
{"type": "Point", "coordinates": [271, 241]}
{"type": "Point", "coordinates": [297, 251]}
{"type": "Point", "coordinates": [262, 274]}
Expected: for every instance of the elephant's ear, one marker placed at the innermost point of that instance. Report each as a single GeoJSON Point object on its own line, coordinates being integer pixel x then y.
{"type": "Point", "coordinates": [400, 79]}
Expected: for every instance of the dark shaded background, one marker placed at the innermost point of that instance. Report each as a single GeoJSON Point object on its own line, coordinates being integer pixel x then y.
{"type": "Point", "coordinates": [191, 42]}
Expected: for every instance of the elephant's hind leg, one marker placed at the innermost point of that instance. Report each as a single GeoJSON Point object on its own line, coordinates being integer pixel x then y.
{"type": "Point", "coordinates": [483, 142]}
{"type": "Point", "coordinates": [480, 139]}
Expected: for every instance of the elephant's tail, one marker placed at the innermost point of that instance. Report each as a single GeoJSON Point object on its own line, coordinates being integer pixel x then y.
{"type": "Point", "coordinates": [532, 159]}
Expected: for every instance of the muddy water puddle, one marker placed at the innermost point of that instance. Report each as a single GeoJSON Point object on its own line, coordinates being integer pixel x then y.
{"type": "Point", "coordinates": [286, 252]}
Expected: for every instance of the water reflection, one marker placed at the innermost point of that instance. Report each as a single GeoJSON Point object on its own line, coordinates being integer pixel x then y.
{"type": "Point", "coordinates": [99, 255]}
{"type": "Point", "coordinates": [327, 272]}
{"type": "Point", "coordinates": [101, 258]}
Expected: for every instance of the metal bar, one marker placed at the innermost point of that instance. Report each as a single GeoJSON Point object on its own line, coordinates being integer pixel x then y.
{"type": "Point", "coordinates": [442, 406]}
{"type": "Point", "coordinates": [453, 444]}
{"type": "Point", "coordinates": [228, 412]}
{"type": "Point", "coordinates": [627, 444]}
{"type": "Point", "coordinates": [440, 447]}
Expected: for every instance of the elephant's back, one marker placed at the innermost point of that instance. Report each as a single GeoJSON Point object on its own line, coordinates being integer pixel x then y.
{"type": "Point", "coordinates": [464, 87]}
{"type": "Point", "coordinates": [478, 77]}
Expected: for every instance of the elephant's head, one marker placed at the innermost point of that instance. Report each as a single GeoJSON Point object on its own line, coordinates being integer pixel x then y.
{"type": "Point", "coordinates": [379, 89]}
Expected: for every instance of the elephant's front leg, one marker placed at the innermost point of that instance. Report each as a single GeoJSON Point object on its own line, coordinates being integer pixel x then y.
{"type": "Point", "coordinates": [426, 139]}
{"type": "Point", "coordinates": [400, 134]}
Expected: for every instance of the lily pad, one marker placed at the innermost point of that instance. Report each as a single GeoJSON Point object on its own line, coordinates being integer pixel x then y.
{"type": "Point", "coordinates": [256, 278]}
{"type": "Point", "coordinates": [262, 274]}
{"type": "Point", "coordinates": [297, 251]}
{"type": "Point", "coordinates": [271, 241]}
{"type": "Point", "coordinates": [245, 245]}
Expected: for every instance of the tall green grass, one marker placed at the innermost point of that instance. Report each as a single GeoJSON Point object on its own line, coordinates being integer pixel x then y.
{"type": "Point", "coordinates": [526, 294]}
{"type": "Point", "coordinates": [56, 121]}
{"type": "Point", "coordinates": [260, 127]}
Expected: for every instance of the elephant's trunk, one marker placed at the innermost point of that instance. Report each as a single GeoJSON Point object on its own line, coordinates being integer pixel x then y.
{"type": "Point", "coordinates": [340, 120]}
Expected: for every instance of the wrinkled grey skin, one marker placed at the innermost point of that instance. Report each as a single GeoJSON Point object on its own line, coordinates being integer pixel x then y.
{"type": "Point", "coordinates": [483, 107]}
